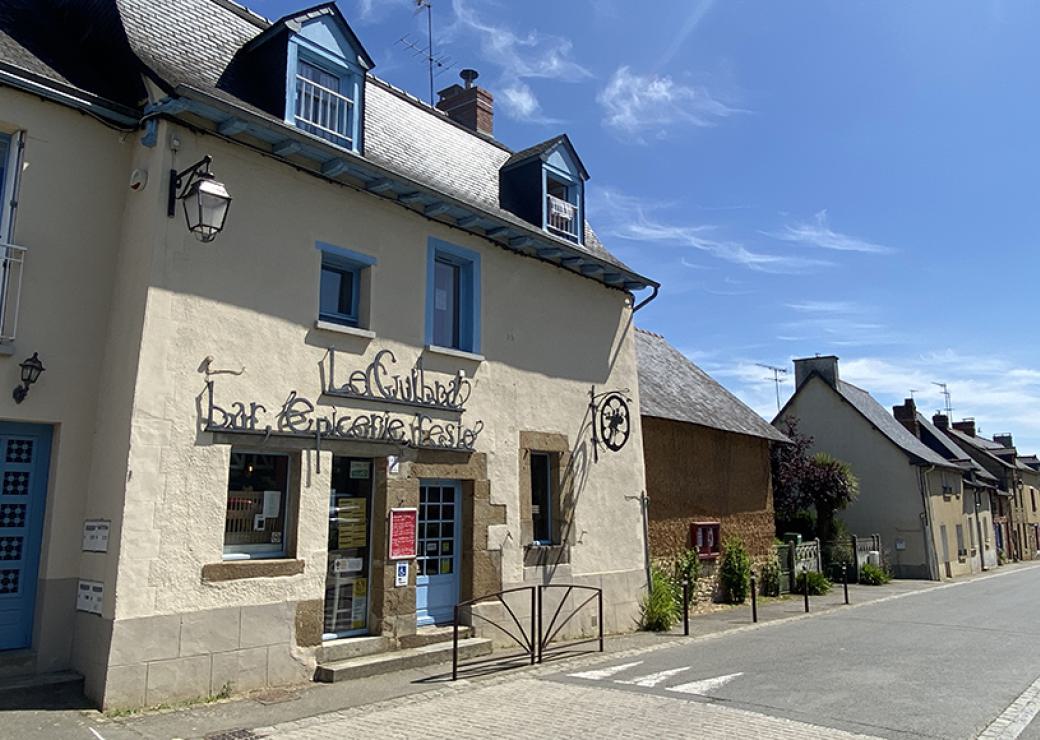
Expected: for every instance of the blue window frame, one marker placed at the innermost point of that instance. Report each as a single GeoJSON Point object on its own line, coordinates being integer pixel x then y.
{"type": "Point", "coordinates": [453, 297]}
{"type": "Point", "coordinates": [339, 290]}
{"type": "Point", "coordinates": [323, 94]}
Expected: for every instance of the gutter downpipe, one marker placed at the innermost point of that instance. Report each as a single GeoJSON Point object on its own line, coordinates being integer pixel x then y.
{"type": "Point", "coordinates": [930, 555]}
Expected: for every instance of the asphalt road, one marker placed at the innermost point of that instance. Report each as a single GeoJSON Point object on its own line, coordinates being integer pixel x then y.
{"type": "Point", "coordinates": [942, 663]}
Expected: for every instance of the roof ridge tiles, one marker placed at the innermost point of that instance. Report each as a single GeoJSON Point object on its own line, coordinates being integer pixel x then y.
{"type": "Point", "coordinates": [244, 13]}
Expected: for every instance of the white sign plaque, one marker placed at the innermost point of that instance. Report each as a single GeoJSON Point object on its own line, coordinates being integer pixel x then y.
{"type": "Point", "coordinates": [95, 535]}
{"type": "Point", "coordinates": [90, 596]}
{"type": "Point", "coordinates": [401, 578]}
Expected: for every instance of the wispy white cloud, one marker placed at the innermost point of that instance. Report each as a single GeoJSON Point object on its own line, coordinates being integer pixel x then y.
{"type": "Point", "coordinates": [818, 233]}
{"type": "Point", "coordinates": [518, 56]}
{"type": "Point", "coordinates": [627, 217]}
{"type": "Point", "coordinates": [373, 11]}
{"type": "Point", "coordinates": [825, 307]}
{"type": "Point", "coordinates": [648, 105]}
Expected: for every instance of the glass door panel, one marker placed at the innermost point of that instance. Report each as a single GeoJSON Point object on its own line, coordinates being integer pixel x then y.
{"type": "Point", "coordinates": [347, 574]}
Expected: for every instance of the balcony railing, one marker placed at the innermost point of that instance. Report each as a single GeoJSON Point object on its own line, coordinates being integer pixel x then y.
{"type": "Point", "coordinates": [561, 216]}
{"type": "Point", "coordinates": [324, 112]}
{"type": "Point", "coordinates": [12, 259]}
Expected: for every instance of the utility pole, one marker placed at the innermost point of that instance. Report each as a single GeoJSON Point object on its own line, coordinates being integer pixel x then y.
{"type": "Point", "coordinates": [777, 379]}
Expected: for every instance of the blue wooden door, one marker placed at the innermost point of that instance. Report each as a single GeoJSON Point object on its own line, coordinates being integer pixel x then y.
{"type": "Point", "coordinates": [24, 460]}
{"type": "Point", "coordinates": [437, 562]}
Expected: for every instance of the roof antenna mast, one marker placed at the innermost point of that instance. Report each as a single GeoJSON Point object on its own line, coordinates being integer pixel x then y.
{"type": "Point", "coordinates": [946, 395]}
{"type": "Point", "coordinates": [777, 372]}
{"type": "Point", "coordinates": [436, 64]}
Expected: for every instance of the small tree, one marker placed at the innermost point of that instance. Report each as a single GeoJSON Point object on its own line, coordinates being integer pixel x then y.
{"type": "Point", "coordinates": [735, 571]}
{"type": "Point", "coordinates": [789, 465]}
{"type": "Point", "coordinates": [830, 486]}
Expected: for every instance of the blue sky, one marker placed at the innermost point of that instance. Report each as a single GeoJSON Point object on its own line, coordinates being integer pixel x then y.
{"type": "Point", "coordinates": [851, 178]}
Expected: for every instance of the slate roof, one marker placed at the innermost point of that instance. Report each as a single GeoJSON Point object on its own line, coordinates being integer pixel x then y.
{"type": "Point", "coordinates": [884, 422]}
{"type": "Point", "coordinates": [190, 46]}
{"type": "Point", "coordinates": [979, 443]}
{"type": "Point", "coordinates": [539, 149]}
{"type": "Point", "coordinates": [950, 450]}
{"type": "Point", "coordinates": [672, 387]}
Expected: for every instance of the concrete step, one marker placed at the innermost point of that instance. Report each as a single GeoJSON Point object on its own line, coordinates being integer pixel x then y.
{"type": "Point", "coordinates": [352, 647]}
{"type": "Point", "coordinates": [17, 663]}
{"type": "Point", "coordinates": [40, 680]}
{"type": "Point", "coordinates": [398, 660]}
{"type": "Point", "coordinates": [434, 634]}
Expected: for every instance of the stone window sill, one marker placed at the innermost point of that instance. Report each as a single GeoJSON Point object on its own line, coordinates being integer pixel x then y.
{"type": "Point", "coordinates": [233, 570]}
{"type": "Point", "coordinates": [344, 329]}
{"type": "Point", "coordinates": [456, 353]}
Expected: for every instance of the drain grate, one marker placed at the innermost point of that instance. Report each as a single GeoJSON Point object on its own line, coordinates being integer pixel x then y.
{"type": "Point", "coordinates": [233, 735]}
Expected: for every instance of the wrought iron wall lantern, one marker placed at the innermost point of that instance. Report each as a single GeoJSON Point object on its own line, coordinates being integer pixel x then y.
{"type": "Point", "coordinates": [206, 200]}
{"type": "Point", "coordinates": [611, 420]}
{"type": "Point", "coordinates": [31, 369]}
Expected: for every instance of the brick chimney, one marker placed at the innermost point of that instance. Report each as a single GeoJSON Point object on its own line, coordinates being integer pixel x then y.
{"type": "Point", "coordinates": [826, 366]}
{"type": "Point", "coordinates": [907, 416]}
{"type": "Point", "coordinates": [965, 425]}
{"type": "Point", "coordinates": [471, 106]}
{"type": "Point", "coordinates": [1004, 440]}
{"type": "Point", "coordinates": [942, 421]}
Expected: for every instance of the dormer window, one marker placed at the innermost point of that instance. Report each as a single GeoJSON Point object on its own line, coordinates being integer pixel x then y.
{"type": "Point", "coordinates": [545, 185]}
{"type": "Point", "coordinates": [325, 103]}
{"type": "Point", "coordinates": [309, 69]}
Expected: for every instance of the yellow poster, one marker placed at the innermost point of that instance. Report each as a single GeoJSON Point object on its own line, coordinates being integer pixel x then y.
{"type": "Point", "coordinates": [359, 605]}
{"type": "Point", "coordinates": [352, 523]}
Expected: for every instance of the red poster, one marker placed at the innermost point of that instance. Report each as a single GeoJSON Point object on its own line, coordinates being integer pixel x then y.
{"type": "Point", "coordinates": [403, 526]}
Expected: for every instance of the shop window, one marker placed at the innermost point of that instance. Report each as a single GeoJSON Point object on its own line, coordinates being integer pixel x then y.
{"type": "Point", "coordinates": [341, 298]}
{"type": "Point", "coordinates": [705, 539]}
{"type": "Point", "coordinates": [257, 503]}
{"type": "Point", "coordinates": [453, 298]}
{"type": "Point", "coordinates": [542, 497]}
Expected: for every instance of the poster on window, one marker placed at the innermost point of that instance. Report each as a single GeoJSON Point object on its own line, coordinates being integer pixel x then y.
{"type": "Point", "coordinates": [359, 605]}
{"type": "Point", "coordinates": [351, 522]}
{"type": "Point", "coordinates": [403, 529]}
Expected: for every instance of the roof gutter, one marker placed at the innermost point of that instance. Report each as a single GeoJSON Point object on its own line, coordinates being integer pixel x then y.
{"type": "Point", "coordinates": [656, 290]}
{"type": "Point", "coordinates": [26, 81]}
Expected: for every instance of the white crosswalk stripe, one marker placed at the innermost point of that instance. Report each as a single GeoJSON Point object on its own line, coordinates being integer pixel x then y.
{"type": "Point", "coordinates": [703, 686]}
{"type": "Point", "coordinates": [652, 679]}
{"type": "Point", "coordinates": [601, 673]}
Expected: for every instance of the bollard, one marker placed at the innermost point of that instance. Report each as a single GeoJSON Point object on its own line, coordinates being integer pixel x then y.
{"type": "Point", "coordinates": [455, 645]}
{"type": "Point", "coordinates": [686, 607]}
{"type": "Point", "coordinates": [754, 600]}
{"type": "Point", "coordinates": [805, 586]}
{"type": "Point", "coordinates": [845, 581]}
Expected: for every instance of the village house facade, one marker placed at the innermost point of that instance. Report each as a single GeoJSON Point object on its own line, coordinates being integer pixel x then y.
{"type": "Point", "coordinates": [909, 494]}
{"type": "Point", "coordinates": [707, 459]}
{"type": "Point", "coordinates": [404, 335]}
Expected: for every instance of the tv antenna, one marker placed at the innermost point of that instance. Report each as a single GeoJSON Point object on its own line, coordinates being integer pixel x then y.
{"type": "Point", "coordinates": [777, 379]}
{"type": "Point", "coordinates": [946, 395]}
{"type": "Point", "coordinates": [436, 64]}
{"type": "Point", "coordinates": [913, 391]}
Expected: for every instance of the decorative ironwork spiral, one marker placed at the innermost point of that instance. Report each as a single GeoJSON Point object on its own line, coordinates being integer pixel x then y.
{"type": "Point", "coordinates": [614, 426]}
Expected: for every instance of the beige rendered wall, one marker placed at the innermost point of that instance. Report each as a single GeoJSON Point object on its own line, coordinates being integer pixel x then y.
{"type": "Point", "coordinates": [889, 500]}
{"type": "Point", "coordinates": [948, 510]}
{"type": "Point", "coordinates": [72, 197]}
{"type": "Point", "coordinates": [249, 301]}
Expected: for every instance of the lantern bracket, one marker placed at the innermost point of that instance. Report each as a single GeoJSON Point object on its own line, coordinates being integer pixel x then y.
{"type": "Point", "coordinates": [181, 181]}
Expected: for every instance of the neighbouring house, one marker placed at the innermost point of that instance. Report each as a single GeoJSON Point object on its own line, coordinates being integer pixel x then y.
{"type": "Point", "coordinates": [707, 461]}
{"type": "Point", "coordinates": [999, 460]}
{"type": "Point", "coordinates": [908, 493]}
{"type": "Point", "coordinates": [335, 409]}
{"type": "Point", "coordinates": [1030, 472]}
{"type": "Point", "coordinates": [975, 538]}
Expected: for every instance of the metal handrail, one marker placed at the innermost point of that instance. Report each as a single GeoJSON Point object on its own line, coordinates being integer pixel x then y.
{"type": "Point", "coordinates": [533, 644]}
{"type": "Point", "coordinates": [527, 643]}
{"type": "Point", "coordinates": [323, 108]}
{"type": "Point", "coordinates": [561, 216]}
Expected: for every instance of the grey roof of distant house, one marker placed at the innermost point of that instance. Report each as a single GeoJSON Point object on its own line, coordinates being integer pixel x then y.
{"type": "Point", "coordinates": [672, 387]}
{"type": "Point", "coordinates": [885, 423]}
{"type": "Point", "coordinates": [986, 446]}
{"type": "Point", "coordinates": [952, 451]}
{"type": "Point", "coordinates": [188, 46]}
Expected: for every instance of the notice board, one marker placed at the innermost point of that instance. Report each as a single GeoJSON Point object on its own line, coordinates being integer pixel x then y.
{"type": "Point", "coordinates": [403, 529]}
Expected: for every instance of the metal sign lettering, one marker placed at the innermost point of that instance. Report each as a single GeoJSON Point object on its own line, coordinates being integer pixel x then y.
{"type": "Point", "coordinates": [375, 383]}
{"type": "Point", "coordinates": [299, 417]}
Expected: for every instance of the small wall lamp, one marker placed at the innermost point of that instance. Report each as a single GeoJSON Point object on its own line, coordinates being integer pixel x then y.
{"type": "Point", "coordinates": [31, 369]}
{"type": "Point", "coordinates": [206, 200]}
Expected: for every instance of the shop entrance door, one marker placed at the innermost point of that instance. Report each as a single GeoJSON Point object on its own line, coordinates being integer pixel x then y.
{"type": "Point", "coordinates": [347, 574]}
{"type": "Point", "coordinates": [25, 453]}
{"type": "Point", "coordinates": [437, 562]}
